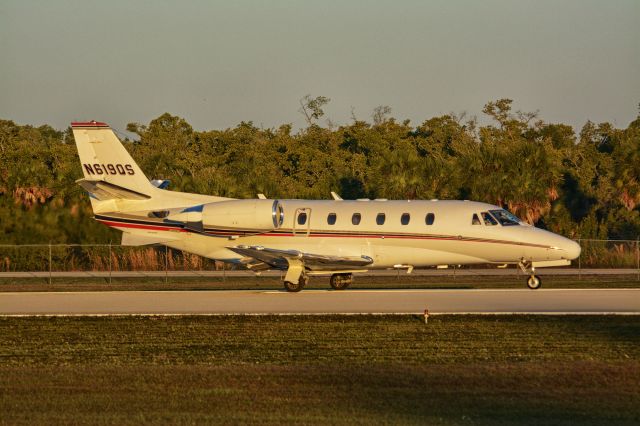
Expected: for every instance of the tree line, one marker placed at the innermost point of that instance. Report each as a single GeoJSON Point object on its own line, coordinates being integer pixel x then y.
{"type": "Point", "coordinates": [584, 185]}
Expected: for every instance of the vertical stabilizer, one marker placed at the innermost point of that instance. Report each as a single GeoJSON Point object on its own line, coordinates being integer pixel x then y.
{"type": "Point", "coordinates": [104, 158]}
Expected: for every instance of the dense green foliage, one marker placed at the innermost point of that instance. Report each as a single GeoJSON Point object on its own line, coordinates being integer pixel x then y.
{"type": "Point", "coordinates": [583, 186]}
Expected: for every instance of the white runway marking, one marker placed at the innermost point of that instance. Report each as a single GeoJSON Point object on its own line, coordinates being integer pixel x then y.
{"type": "Point", "coordinates": [553, 301]}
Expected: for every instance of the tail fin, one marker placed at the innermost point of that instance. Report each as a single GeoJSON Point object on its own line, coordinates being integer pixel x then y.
{"type": "Point", "coordinates": [105, 159]}
{"type": "Point", "coordinates": [115, 182]}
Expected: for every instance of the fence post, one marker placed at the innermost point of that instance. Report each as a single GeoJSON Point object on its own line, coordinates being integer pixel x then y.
{"type": "Point", "coordinates": [580, 261]}
{"type": "Point", "coordinates": [110, 267]}
{"type": "Point", "coordinates": [638, 257]}
{"type": "Point", "coordinates": [50, 261]}
{"type": "Point", "coordinates": [166, 264]}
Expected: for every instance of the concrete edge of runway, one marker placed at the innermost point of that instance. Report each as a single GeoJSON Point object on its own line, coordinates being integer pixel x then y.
{"type": "Point", "coordinates": [331, 291]}
{"type": "Point", "coordinates": [291, 314]}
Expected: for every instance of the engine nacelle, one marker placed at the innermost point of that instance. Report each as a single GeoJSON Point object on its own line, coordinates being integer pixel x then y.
{"type": "Point", "coordinates": [243, 215]}
{"type": "Point", "coordinates": [259, 215]}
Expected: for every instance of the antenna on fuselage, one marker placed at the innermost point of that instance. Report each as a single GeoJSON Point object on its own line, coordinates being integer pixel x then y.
{"type": "Point", "coordinates": [336, 196]}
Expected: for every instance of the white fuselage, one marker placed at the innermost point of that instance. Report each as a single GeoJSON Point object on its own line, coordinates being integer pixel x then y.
{"type": "Point", "coordinates": [451, 238]}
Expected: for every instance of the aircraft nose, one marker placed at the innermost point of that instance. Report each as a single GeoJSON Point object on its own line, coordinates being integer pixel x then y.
{"type": "Point", "coordinates": [572, 249]}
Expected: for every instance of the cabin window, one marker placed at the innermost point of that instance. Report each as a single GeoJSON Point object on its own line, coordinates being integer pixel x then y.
{"type": "Point", "coordinates": [505, 218]}
{"type": "Point", "coordinates": [380, 218]}
{"type": "Point", "coordinates": [429, 218]}
{"type": "Point", "coordinates": [475, 220]}
{"type": "Point", "coordinates": [331, 219]}
{"type": "Point", "coordinates": [355, 219]}
{"type": "Point", "coordinates": [488, 219]}
{"type": "Point", "coordinates": [302, 218]}
{"type": "Point", "coordinates": [405, 218]}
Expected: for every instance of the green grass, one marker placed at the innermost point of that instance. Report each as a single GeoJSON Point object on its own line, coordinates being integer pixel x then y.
{"type": "Point", "coordinates": [320, 369]}
{"type": "Point", "coordinates": [270, 282]}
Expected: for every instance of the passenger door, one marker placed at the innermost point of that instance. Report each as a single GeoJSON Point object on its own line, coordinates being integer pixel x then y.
{"type": "Point", "coordinates": [302, 222]}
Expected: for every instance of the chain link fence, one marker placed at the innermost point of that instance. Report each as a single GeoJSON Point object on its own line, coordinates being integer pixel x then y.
{"type": "Point", "coordinates": [608, 254]}
{"type": "Point", "coordinates": [111, 258]}
{"type": "Point", "coordinates": [57, 258]}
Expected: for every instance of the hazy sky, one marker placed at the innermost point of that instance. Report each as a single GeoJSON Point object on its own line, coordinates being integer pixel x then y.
{"type": "Point", "coordinates": [217, 63]}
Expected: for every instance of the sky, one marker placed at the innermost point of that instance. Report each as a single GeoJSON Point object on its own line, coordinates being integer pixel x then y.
{"type": "Point", "coordinates": [217, 63]}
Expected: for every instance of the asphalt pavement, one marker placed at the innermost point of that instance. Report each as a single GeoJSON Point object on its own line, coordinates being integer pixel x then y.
{"type": "Point", "coordinates": [543, 301]}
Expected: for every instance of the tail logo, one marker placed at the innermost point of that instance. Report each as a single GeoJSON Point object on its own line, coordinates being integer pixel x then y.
{"type": "Point", "coordinates": [109, 169]}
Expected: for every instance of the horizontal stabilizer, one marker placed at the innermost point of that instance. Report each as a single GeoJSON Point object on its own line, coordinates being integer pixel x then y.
{"type": "Point", "coordinates": [129, 239]}
{"type": "Point", "coordinates": [103, 190]}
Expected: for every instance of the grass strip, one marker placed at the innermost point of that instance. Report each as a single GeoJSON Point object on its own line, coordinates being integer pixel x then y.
{"type": "Point", "coordinates": [320, 370]}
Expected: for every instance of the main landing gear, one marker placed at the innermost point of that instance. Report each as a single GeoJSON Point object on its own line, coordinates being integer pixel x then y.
{"type": "Point", "coordinates": [533, 282]}
{"type": "Point", "coordinates": [337, 281]}
{"type": "Point", "coordinates": [296, 287]}
{"type": "Point", "coordinates": [341, 281]}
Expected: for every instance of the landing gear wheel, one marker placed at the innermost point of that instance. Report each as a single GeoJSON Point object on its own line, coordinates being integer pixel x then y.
{"type": "Point", "coordinates": [340, 281]}
{"type": "Point", "coordinates": [534, 282]}
{"type": "Point", "coordinates": [294, 288]}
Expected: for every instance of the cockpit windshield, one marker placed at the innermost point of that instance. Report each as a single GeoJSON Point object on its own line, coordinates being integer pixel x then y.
{"type": "Point", "coordinates": [505, 218]}
{"type": "Point", "coordinates": [488, 219]}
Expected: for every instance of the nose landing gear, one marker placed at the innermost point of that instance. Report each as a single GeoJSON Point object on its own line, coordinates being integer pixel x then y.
{"type": "Point", "coordinates": [533, 282]}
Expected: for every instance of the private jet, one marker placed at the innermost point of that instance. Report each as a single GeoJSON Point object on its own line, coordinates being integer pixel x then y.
{"type": "Point", "coordinates": [304, 238]}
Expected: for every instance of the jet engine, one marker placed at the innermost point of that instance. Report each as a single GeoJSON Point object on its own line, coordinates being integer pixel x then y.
{"type": "Point", "coordinates": [243, 215]}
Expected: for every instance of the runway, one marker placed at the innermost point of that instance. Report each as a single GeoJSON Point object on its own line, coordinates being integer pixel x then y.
{"type": "Point", "coordinates": [561, 301]}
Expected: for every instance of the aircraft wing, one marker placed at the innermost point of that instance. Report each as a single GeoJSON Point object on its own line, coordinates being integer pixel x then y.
{"type": "Point", "coordinates": [257, 257]}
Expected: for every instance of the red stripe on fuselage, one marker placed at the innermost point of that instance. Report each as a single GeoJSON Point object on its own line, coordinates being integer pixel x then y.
{"type": "Point", "coordinates": [139, 226]}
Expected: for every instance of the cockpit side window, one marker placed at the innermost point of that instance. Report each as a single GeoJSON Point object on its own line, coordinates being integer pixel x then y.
{"type": "Point", "coordinates": [505, 218]}
{"type": "Point", "coordinates": [488, 219]}
{"type": "Point", "coordinates": [475, 220]}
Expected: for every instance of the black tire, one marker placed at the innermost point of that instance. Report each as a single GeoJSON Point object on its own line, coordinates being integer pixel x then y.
{"type": "Point", "coordinates": [534, 282]}
{"type": "Point", "coordinates": [340, 281]}
{"type": "Point", "coordinates": [291, 287]}
{"type": "Point", "coordinates": [294, 288]}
